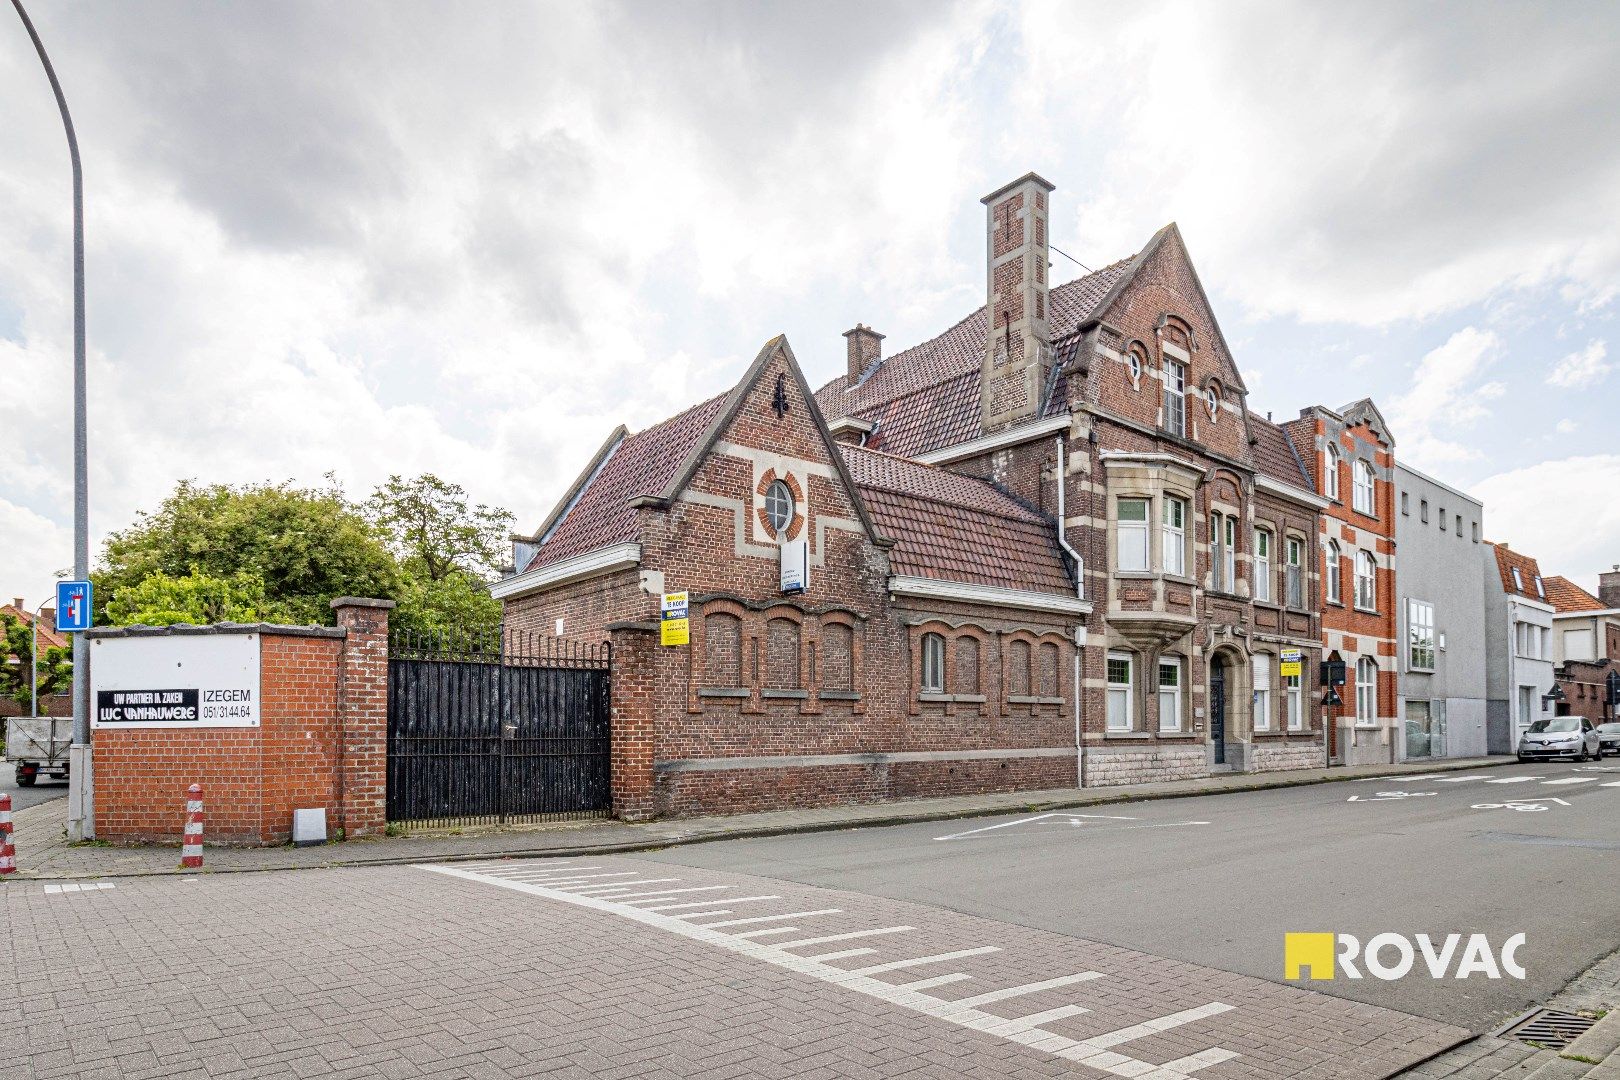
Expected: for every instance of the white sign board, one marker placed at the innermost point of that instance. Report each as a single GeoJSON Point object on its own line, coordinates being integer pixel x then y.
{"type": "Point", "coordinates": [175, 681]}
{"type": "Point", "coordinates": [795, 566]}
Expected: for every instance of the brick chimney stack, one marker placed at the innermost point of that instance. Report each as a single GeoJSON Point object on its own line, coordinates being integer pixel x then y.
{"type": "Point", "coordinates": [865, 347]}
{"type": "Point", "coordinates": [1019, 344]}
{"type": "Point", "coordinates": [1609, 588]}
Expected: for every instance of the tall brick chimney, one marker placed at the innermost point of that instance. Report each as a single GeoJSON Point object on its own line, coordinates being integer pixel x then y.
{"type": "Point", "coordinates": [1019, 345]}
{"type": "Point", "coordinates": [865, 346]}
{"type": "Point", "coordinates": [1609, 588]}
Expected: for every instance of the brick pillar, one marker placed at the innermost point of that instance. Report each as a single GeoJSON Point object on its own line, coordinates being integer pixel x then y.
{"type": "Point", "coordinates": [363, 715]}
{"type": "Point", "coordinates": [635, 661]}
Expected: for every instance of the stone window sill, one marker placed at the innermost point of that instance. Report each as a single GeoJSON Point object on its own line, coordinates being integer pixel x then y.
{"type": "Point", "coordinates": [1366, 610]}
{"type": "Point", "coordinates": [1177, 735]}
{"type": "Point", "coordinates": [724, 692]}
{"type": "Point", "coordinates": [840, 695]}
{"type": "Point", "coordinates": [1024, 699]}
{"type": "Point", "coordinates": [1224, 594]}
{"type": "Point", "coordinates": [966, 699]}
{"type": "Point", "coordinates": [790, 695]}
{"type": "Point", "coordinates": [1135, 575]}
{"type": "Point", "coordinates": [1140, 736]}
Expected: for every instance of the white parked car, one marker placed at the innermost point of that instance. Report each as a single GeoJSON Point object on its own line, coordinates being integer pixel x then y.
{"type": "Point", "coordinates": [1572, 738]}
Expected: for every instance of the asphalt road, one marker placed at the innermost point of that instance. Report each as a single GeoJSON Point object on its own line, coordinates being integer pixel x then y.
{"type": "Point", "coordinates": [42, 791]}
{"type": "Point", "coordinates": [1219, 880]}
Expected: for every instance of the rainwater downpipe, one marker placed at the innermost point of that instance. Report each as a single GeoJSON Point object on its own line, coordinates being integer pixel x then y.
{"type": "Point", "coordinates": [1080, 591]}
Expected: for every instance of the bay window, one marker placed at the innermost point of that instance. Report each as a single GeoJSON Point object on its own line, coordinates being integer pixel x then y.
{"type": "Point", "coordinates": [1174, 536]}
{"type": "Point", "coordinates": [1132, 534]}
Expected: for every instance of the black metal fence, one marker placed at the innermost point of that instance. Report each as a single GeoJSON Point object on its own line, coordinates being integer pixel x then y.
{"type": "Point", "coordinates": [496, 727]}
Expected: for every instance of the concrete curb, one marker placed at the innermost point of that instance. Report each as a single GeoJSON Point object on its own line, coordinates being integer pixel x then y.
{"type": "Point", "coordinates": [1601, 1043]}
{"type": "Point", "coordinates": [900, 816]}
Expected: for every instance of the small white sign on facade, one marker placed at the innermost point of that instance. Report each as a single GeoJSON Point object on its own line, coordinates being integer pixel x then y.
{"type": "Point", "coordinates": [795, 566]}
{"type": "Point", "coordinates": [175, 681]}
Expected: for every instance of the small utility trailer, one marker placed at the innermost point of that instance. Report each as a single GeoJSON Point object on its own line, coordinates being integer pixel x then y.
{"type": "Point", "coordinates": [38, 746]}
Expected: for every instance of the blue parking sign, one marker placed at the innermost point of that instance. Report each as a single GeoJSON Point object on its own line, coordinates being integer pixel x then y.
{"type": "Point", "coordinates": [72, 606]}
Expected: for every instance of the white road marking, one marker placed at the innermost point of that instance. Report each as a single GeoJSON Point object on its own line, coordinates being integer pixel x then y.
{"type": "Point", "coordinates": [828, 956]}
{"type": "Point", "coordinates": [1035, 1020]}
{"type": "Point", "coordinates": [662, 894]}
{"type": "Point", "coordinates": [706, 903]}
{"type": "Point", "coordinates": [1408, 779]}
{"type": "Point", "coordinates": [1459, 779]}
{"type": "Point", "coordinates": [1029, 988]}
{"type": "Point", "coordinates": [937, 980]}
{"type": "Point", "coordinates": [767, 932]}
{"type": "Point", "coordinates": [852, 935]}
{"type": "Point", "coordinates": [773, 918]}
{"type": "Point", "coordinates": [521, 868]}
{"type": "Point", "coordinates": [1391, 796]}
{"type": "Point", "coordinates": [1571, 780]}
{"type": "Point", "coordinates": [72, 887]}
{"type": "Point", "coordinates": [937, 958]}
{"type": "Point", "coordinates": [1092, 1052]}
{"type": "Point", "coordinates": [554, 882]}
{"type": "Point", "coordinates": [1615, 784]}
{"type": "Point", "coordinates": [1199, 1060]}
{"type": "Point", "coordinates": [1037, 817]}
{"type": "Point", "coordinates": [1513, 780]}
{"type": "Point", "coordinates": [621, 887]}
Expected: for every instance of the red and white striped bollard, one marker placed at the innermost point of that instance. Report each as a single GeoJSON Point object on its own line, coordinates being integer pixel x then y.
{"type": "Point", "coordinates": [191, 845]}
{"type": "Point", "coordinates": [8, 852]}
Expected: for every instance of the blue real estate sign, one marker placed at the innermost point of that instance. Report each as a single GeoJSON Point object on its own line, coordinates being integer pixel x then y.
{"type": "Point", "coordinates": [72, 606]}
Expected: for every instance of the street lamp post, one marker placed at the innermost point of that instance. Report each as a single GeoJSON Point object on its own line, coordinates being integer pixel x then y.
{"type": "Point", "coordinates": [78, 808]}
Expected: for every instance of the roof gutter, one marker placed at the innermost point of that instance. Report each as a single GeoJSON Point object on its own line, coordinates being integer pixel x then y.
{"type": "Point", "coordinates": [604, 560]}
{"type": "Point", "coordinates": [1289, 491]}
{"type": "Point", "coordinates": [994, 596]}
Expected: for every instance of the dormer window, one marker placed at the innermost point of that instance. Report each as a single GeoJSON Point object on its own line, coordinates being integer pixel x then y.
{"type": "Point", "coordinates": [1518, 582]}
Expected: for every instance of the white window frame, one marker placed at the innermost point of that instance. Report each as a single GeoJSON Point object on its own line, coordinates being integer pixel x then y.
{"type": "Point", "coordinates": [1212, 401]}
{"type": "Point", "coordinates": [1335, 573]}
{"type": "Point", "coordinates": [1330, 474]}
{"type": "Point", "coordinates": [1175, 397]}
{"type": "Point", "coordinates": [1293, 698]}
{"type": "Point", "coordinates": [1294, 571]}
{"type": "Point", "coordinates": [1366, 581]}
{"type": "Point", "coordinates": [1173, 535]}
{"type": "Point", "coordinates": [1170, 699]}
{"type": "Point", "coordinates": [1518, 581]}
{"type": "Point", "coordinates": [933, 663]}
{"type": "Point", "coordinates": [1420, 653]}
{"type": "Point", "coordinates": [1361, 482]}
{"type": "Point", "coordinates": [1131, 536]}
{"type": "Point", "coordinates": [1580, 644]}
{"type": "Point", "coordinates": [1262, 564]}
{"type": "Point", "coordinates": [779, 506]}
{"type": "Point", "coordinates": [1120, 694]}
{"type": "Point", "coordinates": [1231, 553]}
{"type": "Point", "coordinates": [1133, 364]}
{"type": "Point", "coordinates": [1366, 692]}
{"type": "Point", "coordinates": [1260, 713]}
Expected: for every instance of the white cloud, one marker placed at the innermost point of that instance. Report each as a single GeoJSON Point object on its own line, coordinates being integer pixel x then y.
{"type": "Point", "coordinates": [1535, 508]}
{"type": "Point", "coordinates": [1567, 427]}
{"type": "Point", "coordinates": [1447, 394]}
{"type": "Point", "coordinates": [1582, 368]}
{"type": "Point", "coordinates": [36, 550]}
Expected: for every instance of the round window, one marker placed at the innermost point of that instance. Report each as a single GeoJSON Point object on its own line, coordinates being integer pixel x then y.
{"type": "Point", "coordinates": [1212, 399]}
{"type": "Point", "coordinates": [1136, 368]}
{"type": "Point", "coordinates": [779, 505]}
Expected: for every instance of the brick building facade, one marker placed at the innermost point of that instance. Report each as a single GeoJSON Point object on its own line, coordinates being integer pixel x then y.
{"type": "Point", "coordinates": [1585, 644]}
{"type": "Point", "coordinates": [54, 704]}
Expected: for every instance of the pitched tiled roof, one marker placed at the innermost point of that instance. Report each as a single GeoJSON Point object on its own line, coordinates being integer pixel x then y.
{"type": "Point", "coordinates": [1565, 595]}
{"type": "Point", "coordinates": [1507, 561]}
{"type": "Point", "coordinates": [642, 464]}
{"type": "Point", "coordinates": [955, 528]}
{"type": "Point", "coordinates": [48, 637]}
{"type": "Point", "coordinates": [1275, 456]}
{"type": "Point", "coordinates": [934, 374]}
{"type": "Point", "coordinates": [1302, 436]}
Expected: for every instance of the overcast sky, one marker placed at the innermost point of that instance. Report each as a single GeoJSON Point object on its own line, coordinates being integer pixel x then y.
{"type": "Point", "coordinates": [471, 238]}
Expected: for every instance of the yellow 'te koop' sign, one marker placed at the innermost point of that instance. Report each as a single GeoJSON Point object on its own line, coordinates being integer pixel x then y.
{"type": "Point", "coordinates": [674, 628]}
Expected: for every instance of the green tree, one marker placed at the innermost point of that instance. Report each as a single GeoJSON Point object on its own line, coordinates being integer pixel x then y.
{"type": "Point", "coordinates": [447, 550]}
{"type": "Point", "coordinates": [306, 545]}
{"type": "Point", "coordinates": [54, 669]}
{"type": "Point", "coordinates": [161, 600]}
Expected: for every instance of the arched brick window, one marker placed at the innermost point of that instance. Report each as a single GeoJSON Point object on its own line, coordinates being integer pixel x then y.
{"type": "Point", "coordinates": [933, 664]}
{"type": "Point", "coordinates": [722, 649]}
{"type": "Point", "coordinates": [966, 674]}
{"type": "Point", "coordinates": [1046, 669]}
{"type": "Point", "coordinates": [782, 667]}
{"type": "Point", "coordinates": [1018, 668]}
{"type": "Point", "coordinates": [837, 657]}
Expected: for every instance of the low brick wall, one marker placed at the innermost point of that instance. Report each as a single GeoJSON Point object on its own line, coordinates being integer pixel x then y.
{"type": "Point", "coordinates": [320, 743]}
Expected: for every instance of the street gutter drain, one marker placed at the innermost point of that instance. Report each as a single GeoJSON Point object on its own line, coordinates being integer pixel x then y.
{"type": "Point", "coordinates": [1550, 1028]}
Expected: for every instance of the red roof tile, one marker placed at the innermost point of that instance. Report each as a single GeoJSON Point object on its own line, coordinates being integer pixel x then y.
{"type": "Point", "coordinates": [935, 371]}
{"type": "Point", "coordinates": [48, 637]}
{"type": "Point", "coordinates": [642, 464]}
{"type": "Point", "coordinates": [955, 528]}
{"type": "Point", "coordinates": [1274, 455]}
{"type": "Point", "coordinates": [1565, 595]}
{"type": "Point", "coordinates": [1507, 561]}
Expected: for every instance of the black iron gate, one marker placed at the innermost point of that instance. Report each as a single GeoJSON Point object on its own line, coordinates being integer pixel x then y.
{"type": "Point", "coordinates": [494, 728]}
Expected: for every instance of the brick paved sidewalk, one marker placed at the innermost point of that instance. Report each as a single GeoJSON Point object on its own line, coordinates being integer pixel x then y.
{"type": "Point", "coordinates": [43, 852]}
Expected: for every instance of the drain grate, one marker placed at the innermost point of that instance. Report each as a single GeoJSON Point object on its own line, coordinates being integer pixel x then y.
{"type": "Point", "coordinates": [1551, 1028]}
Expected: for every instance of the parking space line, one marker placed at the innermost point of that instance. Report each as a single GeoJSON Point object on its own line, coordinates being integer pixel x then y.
{"type": "Point", "coordinates": [852, 935]}
{"type": "Point", "coordinates": [1199, 1060]}
{"type": "Point", "coordinates": [704, 903]}
{"type": "Point", "coordinates": [1035, 1020]}
{"type": "Point", "coordinates": [937, 980]}
{"type": "Point", "coordinates": [1029, 988]}
{"type": "Point", "coordinates": [773, 918]}
{"type": "Point", "coordinates": [1153, 1027]}
{"type": "Point", "coordinates": [938, 958]}
{"type": "Point", "coordinates": [764, 933]}
{"type": "Point", "coordinates": [1571, 780]}
{"type": "Point", "coordinates": [621, 887]}
{"type": "Point", "coordinates": [840, 955]}
{"type": "Point", "coordinates": [660, 894]}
